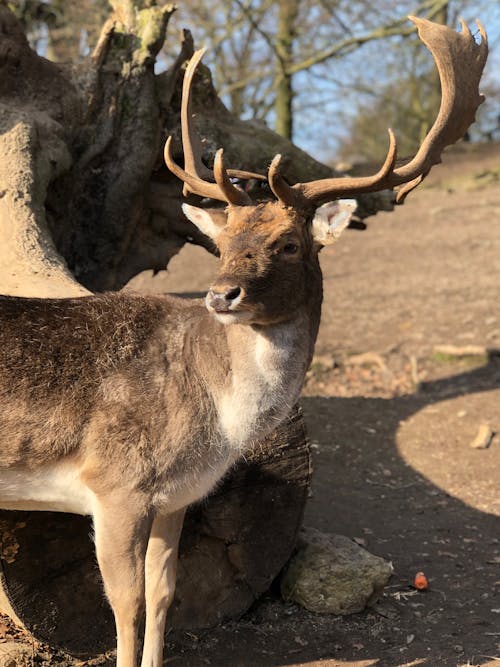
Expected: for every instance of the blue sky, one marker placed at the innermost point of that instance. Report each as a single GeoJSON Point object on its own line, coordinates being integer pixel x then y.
{"type": "Point", "coordinates": [334, 105]}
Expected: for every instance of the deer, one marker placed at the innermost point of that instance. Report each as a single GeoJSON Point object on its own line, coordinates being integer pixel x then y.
{"type": "Point", "coordinates": [129, 408]}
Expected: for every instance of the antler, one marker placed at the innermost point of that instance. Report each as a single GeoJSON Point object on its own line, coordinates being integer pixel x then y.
{"type": "Point", "coordinates": [197, 178]}
{"type": "Point", "coordinates": [460, 62]}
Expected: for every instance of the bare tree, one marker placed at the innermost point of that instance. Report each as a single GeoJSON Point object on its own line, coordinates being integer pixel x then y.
{"type": "Point", "coordinates": [278, 61]}
{"type": "Point", "coordinates": [62, 31]}
{"type": "Point", "coordinates": [296, 37]}
{"type": "Point", "coordinates": [334, 53]}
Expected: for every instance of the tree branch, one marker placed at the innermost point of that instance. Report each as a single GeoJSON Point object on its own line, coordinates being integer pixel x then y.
{"type": "Point", "coordinates": [394, 28]}
{"type": "Point", "coordinates": [346, 45]}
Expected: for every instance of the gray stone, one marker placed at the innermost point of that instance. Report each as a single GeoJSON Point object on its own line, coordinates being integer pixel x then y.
{"type": "Point", "coordinates": [331, 574]}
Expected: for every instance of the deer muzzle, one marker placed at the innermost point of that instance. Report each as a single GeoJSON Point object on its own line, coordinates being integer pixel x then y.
{"type": "Point", "coordinates": [224, 298]}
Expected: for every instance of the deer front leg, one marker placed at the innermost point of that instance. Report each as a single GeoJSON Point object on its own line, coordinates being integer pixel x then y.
{"type": "Point", "coordinates": [122, 528]}
{"type": "Point", "coordinates": [161, 571]}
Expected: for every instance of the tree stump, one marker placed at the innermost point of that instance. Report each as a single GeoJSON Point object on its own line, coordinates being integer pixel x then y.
{"type": "Point", "coordinates": [233, 545]}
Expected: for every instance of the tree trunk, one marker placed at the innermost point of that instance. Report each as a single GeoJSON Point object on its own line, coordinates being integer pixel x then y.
{"type": "Point", "coordinates": [85, 204]}
{"type": "Point", "coordinates": [287, 17]}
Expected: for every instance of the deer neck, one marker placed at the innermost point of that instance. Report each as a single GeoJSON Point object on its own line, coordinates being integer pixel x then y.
{"type": "Point", "coordinates": [265, 374]}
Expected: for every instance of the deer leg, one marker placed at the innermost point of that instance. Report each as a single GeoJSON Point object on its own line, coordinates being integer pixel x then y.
{"type": "Point", "coordinates": [121, 535]}
{"type": "Point", "coordinates": [161, 571]}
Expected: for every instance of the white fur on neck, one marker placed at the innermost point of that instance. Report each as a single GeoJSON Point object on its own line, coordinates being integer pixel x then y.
{"type": "Point", "coordinates": [266, 379]}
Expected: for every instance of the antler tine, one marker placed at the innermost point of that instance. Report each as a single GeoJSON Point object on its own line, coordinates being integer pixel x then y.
{"type": "Point", "coordinates": [287, 195]}
{"type": "Point", "coordinates": [345, 187]}
{"type": "Point", "coordinates": [460, 62]}
{"type": "Point", "coordinates": [190, 140]}
{"type": "Point", "coordinates": [232, 194]}
{"type": "Point", "coordinates": [194, 184]}
{"type": "Point", "coordinates": [195, 175]}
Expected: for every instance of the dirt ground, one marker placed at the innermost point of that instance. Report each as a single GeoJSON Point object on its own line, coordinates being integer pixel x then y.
{"type": "Point", "coordinates": [391, 416]}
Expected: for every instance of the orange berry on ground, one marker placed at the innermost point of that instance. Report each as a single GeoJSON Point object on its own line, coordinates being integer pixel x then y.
{"type": "Point", "coordinates": [420, 581]}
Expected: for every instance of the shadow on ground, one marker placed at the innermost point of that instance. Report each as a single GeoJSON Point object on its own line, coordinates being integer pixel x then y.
{"type": "Point", "coordinates": [364, 487]}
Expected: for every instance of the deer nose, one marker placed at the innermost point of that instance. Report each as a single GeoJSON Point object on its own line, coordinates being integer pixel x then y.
{"type": "Point", "coordinates": [223, 298]}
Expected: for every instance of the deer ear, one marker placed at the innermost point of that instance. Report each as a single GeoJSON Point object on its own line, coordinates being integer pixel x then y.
{"type": "Point", "coordinates": [209, 221]}
{"type": "Point", "coordinates": [331, 219]}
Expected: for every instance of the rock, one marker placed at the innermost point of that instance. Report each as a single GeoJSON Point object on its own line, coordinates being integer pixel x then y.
{"type": "Point", "coordinates": [483, 437]}
{"type": "Point", "coordinates": [331, 574]}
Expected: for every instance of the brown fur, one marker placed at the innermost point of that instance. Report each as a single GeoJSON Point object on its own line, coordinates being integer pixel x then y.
{"type": "Point", "coordinates": [94, 377]}
{"type": "Point", "coordinates": [277, 284]}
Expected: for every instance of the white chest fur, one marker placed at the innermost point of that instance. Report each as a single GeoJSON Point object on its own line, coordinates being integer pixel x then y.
{"type": "Point", "coordinates": [267, 375]}
{"type": "Point", "coordinates": [267, 372]}
{"type": "Point", "coordinates": [54, 488]}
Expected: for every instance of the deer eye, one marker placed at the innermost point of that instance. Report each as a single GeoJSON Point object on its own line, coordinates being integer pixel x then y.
{"type": "Point", "coordinates": [290, 248]}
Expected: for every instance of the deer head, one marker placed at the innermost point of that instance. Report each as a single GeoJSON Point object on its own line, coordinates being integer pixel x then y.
{"type": "Point", "coordinates": [269, 250]}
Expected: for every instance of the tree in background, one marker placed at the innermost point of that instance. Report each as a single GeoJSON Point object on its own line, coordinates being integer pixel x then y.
{"type": "Point", "coordinates": [61, 31]}
{"type": "Point", "coordinates": [267, 55]}
{"type": "Point", "coordinates": [292, 64]}
{"type": "Point", "coordinates": [409, 100]}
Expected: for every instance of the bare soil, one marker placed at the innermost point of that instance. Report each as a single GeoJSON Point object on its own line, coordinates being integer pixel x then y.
{"type": "Point", "coordinates": [391, 417]}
